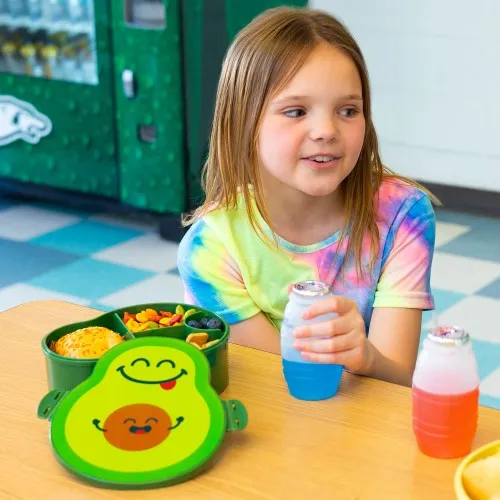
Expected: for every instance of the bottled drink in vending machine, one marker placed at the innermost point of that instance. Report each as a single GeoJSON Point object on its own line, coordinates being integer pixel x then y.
{"type": "Point", "coordinates": [446, 394]}
{"type": "Point", "coordinates": [57, 10]}
{"type": "Point", "coordinates": [16, 8]}
{"type": "Point", "coordinates": [306, 379]}
{"type": "Point", "coordinates": [78, 10]}
{"type": "Point", "coordinates": [34, 8]}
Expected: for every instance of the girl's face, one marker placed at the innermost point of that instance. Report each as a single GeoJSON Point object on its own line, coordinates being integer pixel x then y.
{"type": "Point", "coordinates": [312, 132]}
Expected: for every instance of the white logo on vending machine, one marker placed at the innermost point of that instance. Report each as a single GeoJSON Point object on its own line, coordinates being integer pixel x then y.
{"type": "Point", "coordinates": [20, 120]}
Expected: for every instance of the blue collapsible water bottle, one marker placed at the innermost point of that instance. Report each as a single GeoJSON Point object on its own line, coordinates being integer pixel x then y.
{"type": "Point", "coordinates": [306, 379]}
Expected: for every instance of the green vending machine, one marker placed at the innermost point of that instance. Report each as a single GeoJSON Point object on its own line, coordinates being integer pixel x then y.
{"type": "Point", "coordinates": [109, 102]}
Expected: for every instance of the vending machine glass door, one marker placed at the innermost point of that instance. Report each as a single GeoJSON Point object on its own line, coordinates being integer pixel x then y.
{"type": "Point", "coordinates": [52, 39]}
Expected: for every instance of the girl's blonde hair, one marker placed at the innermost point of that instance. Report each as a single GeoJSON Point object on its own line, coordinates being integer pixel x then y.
{"type": "Point", "coordinates": [263, 58]}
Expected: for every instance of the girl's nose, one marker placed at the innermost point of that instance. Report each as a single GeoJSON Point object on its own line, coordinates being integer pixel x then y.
{"type": "Point", "coordinates": [324, 129]}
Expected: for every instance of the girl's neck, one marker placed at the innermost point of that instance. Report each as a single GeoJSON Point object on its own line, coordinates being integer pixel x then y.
{"type": "Point", "coordinates": [302, 219]}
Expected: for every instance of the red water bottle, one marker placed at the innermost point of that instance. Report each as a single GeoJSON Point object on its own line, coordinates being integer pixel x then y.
{"type": "Point", "coordinates": [446, 394]}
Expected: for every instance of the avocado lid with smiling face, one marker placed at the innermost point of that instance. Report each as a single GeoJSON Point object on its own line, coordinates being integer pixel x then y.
{"type": "Point", "coordinates": [147, 416]}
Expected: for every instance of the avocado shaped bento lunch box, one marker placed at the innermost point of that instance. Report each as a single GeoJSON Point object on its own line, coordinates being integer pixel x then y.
{"type": "Point", "coordinates": [146, 417]}
{"type": "Point", "coordinates": [67, 372]}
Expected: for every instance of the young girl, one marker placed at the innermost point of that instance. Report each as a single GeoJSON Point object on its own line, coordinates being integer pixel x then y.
{"type": "Point", "coordinates": [296, 190]}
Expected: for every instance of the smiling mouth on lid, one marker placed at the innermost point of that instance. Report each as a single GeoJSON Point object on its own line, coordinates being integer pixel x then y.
{"type": "Point", "coordinates": [164, 384]}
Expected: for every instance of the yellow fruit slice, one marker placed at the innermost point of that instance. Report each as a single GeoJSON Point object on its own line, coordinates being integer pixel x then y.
{"type": "Point", "coordinates": [211, 343]}
{"type": "Point", "coordinates": [188, 313]}
{"type": "Point", "coordinates": [142, 317]}
{"type": "Point", "coordinates": [197, 338]}
{"type": "Point", "coordinates": [151, 313]}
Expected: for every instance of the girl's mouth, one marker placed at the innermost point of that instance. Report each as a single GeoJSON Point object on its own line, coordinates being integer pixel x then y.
{"type": "Point", "coordinates": [322, 161]}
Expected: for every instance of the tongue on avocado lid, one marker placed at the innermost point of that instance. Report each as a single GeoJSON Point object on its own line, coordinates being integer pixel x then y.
{"type": "Point", "coordinates": [168, 385]}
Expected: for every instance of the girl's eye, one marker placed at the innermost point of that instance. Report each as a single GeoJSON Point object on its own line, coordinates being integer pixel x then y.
{"type": "Point", "coordinates": [349, 112]}
{"type": "Point", "coordinates": [295, 113]}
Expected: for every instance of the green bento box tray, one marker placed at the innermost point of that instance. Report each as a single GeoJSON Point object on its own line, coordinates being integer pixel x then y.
{"type": "Point", "coordinates": [66, 373]}
{"type": "Point", "coordinates": [146, 417]}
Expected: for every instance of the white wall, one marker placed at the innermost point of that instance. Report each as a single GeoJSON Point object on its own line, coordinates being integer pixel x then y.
{"type": "Point", "coordinates": [435, 73]}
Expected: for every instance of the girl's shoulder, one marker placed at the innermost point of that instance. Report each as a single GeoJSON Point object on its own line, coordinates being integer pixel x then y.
{"type": "Point", "coordinates": [219, 223]}
{"type": "Point", "coordinates": [397, 196]}
{"type": "Point", "coordinates": [221, 218]}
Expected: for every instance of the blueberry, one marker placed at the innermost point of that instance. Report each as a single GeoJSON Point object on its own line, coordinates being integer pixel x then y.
{"type": "Point", "coordinates": [214, 324]}
{"type": "Point", "coordinates": [204, 322]}
{"type": "Point", "coordinates": [194, 324]}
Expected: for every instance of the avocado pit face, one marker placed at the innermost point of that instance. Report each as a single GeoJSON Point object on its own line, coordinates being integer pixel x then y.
{"type": "Point", "coordinates": [137, 427]}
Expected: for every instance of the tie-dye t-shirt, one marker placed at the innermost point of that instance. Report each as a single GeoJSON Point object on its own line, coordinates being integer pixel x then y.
{"type": "Point", "coordinates": [227, 268]}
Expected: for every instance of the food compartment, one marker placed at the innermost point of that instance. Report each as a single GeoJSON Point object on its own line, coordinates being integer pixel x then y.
{"type": "Point", "coordinates": [205, 320]}
{"type": "Point", "coordinates": [144, 320]}
{"type": "Point", "coordinates": [72, 351]}
{"type": "Point", "coordinates": [181, 321]}
{"type": "Point", "coordinates": [214, 346]}
{"type": "Point", "coordinates": [109, 321]}
{"type": "Point", "coordinates": [209, 324]}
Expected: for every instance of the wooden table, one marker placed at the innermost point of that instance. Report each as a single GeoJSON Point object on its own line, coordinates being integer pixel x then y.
{"type": "Point", "coordinates": [358, 444]}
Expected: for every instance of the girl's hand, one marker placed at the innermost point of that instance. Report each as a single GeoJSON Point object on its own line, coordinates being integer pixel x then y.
{"type": "Point", "coordinates": [346, 343]}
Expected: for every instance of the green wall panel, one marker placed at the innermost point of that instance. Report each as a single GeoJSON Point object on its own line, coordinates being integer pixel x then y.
{"type": "Point", "coordinates": [239, 14]}
{"type": "Point", "coordinates": [152, 175]}
{"type": "Point", "coordinates": [209, 27]}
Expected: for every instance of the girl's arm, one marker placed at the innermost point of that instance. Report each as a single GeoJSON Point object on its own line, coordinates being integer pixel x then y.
{"type": "Point", "coordinates": [388, 353]}
{"type": "Point", "coordinates": [256, 332]}
{"type": "Point", "coordinates": [393, 343]}
{"type": "Point", "coordinates": [403, 291]}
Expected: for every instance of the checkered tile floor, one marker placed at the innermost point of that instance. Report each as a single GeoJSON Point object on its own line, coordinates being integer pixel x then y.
{"type": "Point", "coordinates": [105, 262]}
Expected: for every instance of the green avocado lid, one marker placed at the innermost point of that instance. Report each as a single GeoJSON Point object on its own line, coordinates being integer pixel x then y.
{"type": "Point", "coordinates": [147, 416]}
